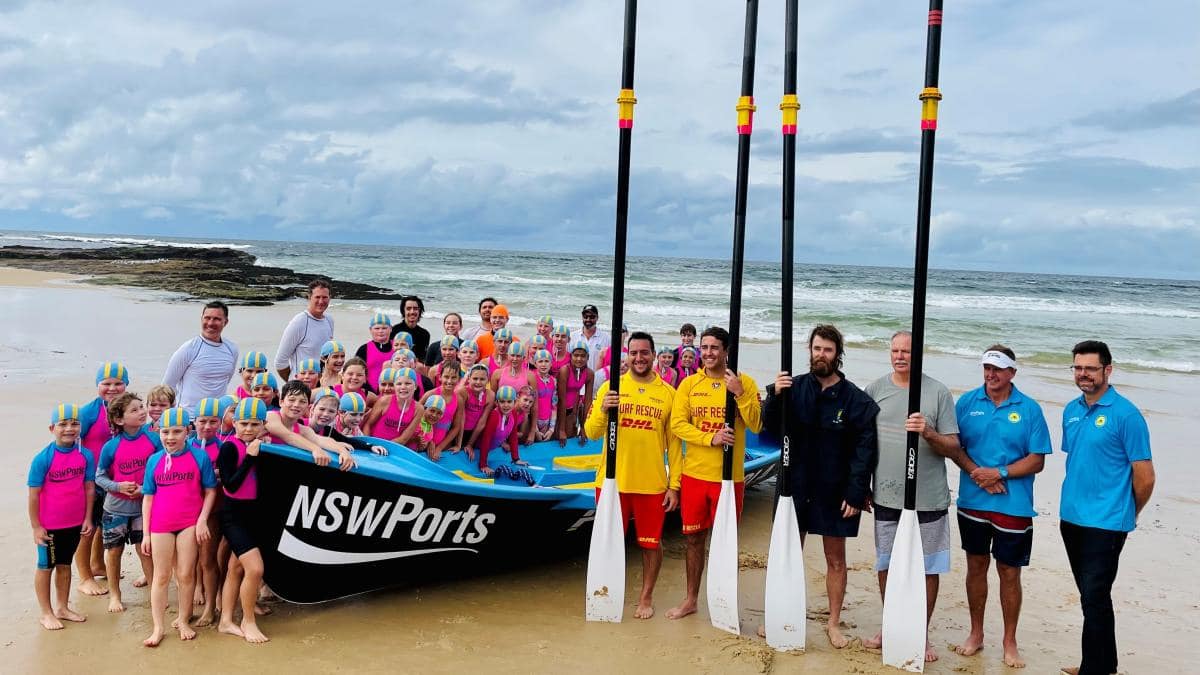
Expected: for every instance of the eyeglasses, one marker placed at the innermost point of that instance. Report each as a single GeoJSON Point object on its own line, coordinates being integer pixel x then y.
{"type": "Point", "coordinates": [1090, 370]}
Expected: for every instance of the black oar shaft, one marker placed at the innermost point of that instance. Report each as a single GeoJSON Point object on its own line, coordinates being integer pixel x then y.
{"type": "Point", "coordinates": [745, 110]}
{"type": "Point", "coordinates": [789, 106]}
{"type": "Point", "coordinates": [929, 104]}
{"type": "Point", "coordinates": [625, 103]}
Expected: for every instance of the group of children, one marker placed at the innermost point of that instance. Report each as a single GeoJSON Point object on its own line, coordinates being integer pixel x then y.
{"type": "Point", "coordinates": [179, 486]}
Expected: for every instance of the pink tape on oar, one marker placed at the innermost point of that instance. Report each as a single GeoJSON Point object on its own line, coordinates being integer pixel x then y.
{"type": "Point", "coordinates": [935, 17]}
{"type": "Point", "coordinates": [789, 129]}
{"type": "Point", "coordinates": [929, 124]}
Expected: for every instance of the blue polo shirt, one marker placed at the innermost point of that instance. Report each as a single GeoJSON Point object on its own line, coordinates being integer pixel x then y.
{"type": "Point", "coordinates": [995, 436]}
{"type": "Point", "coordinates": [1101, 442]}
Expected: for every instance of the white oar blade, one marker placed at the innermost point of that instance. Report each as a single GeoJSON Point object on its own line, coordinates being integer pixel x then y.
{"type": "Point", "coordinates": [786, 596]}
{"type": "Point", "coordinates": [904, 602]}
{"type": "Point", "coordinates": [605, 599]}
{"type": "Point", "coordinates": [723, 564]}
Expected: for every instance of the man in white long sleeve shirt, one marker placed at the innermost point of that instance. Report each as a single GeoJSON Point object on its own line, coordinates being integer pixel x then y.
{"type": "Point", "coordinates": [306, 332]}
{"type": "Point", "coordinates": [203, 366]}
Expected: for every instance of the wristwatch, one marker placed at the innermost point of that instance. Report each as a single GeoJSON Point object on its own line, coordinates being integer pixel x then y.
{"type": "Point", "coordinates": [1003, 472]}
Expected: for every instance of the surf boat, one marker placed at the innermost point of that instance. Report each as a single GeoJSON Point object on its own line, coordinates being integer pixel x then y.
{"type": "Point", "coordinates": [402, 519]}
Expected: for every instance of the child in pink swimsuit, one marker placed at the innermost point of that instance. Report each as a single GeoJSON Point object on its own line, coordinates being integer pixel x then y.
{"type": "Point", "coordinates": [453, 404]}
{"type": "Point", "coordinates": [352, 408]}
{"type": "Point", "coordinates": [547, 396]}
{"type": "Point", "coordinates": [665, 368]}
{"type": "Point", "coordinates": [265, 387]}
{"type": "Point", "coordinates": [560, 356]}
{"type": "Point", "coordinates": [502, 429]}
{"type": "Point", "coordinates": [111, 380]}
{"type": "Point", "coordinates": [209, 415]}
{"type": "Point", "coordinates": [477, 405]}
{"type": "Point", "coordinates": [574, 394]}
{"type": "Point", "coordinates": [376, 353]}
{"type": "Point", "coordinates": [180, 489]}
{"type": "Point", "coordinates": [333, 357]}
{"type": "Point", "coordinates": [61, 482]}
{"type": "Point", "coordinates": [354, 380]}
{"type": "Point", "coordinates": [252, 364]}
{"type": "Point", "coordinates": [393, 415]}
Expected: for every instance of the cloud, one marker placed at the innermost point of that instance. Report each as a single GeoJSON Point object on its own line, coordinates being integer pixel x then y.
{"type": "Point", "coordinates": [1181, 111]}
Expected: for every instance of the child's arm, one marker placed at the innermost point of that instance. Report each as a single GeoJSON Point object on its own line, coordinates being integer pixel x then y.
{"type": "Point", "coordinates": [89, 488]}
{"type": "Point", "coordinates": [233, 473]}
{"type": "Point", "coordinates": [147, 507]}
{"type": "Point", "coordinates": [276, 428]}
{"type": "Point", "coordinates": [494, 381]}
{"type": "Point", "coordinates": [560, 426]}
{"type": "Point", "coordinates": [585, 402]}
{"type": "Point", "coordinates": [484, 417]}
{"type": "Point", "coordinates": [489, 434]}
{"type": "Point", "coordinates": [513, 438]}
{"type": "Point", "coordinates": [376, 412]}
{"type": "Point", "coordinates": [413, 427]}
{"type": "Point", "coordinates": [345, 459]}
{"type": "Point", "coordinates": [208, 480]}
{"type": "Point", "coordinates": [40, 535]}
{"type": "Point", "coordinates": [455, 426]}
{"type": "Point", "coordinates": [356, 443]}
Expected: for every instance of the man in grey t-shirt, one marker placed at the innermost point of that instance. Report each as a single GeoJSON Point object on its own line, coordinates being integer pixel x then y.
{"type": "Point", "coordinates": [937, 425]}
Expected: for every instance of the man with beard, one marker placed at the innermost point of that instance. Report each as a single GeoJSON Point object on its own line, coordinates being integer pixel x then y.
{"type": "Point", "coordinates": [698, 419]}
{"type": "Point", "coordinates": [413, 308]}
{"type": "Point", "coordinates": [832, 426]}
{"type": "Point", "coordinates": [597, 339]}
{"type": "Point", "coordinates": [485, 321]}
{"type": "Point", "coordinates": [1109, 479]}
{"type": "Point", "coordinates": [648, 490]}
{"type": "Point", "coordinates": [937, 425]}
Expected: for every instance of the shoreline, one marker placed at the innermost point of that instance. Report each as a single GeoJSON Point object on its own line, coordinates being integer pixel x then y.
{"type": "Point", "coordinates": [538, 612]}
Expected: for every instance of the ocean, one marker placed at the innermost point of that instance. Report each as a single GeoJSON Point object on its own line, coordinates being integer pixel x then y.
{"type": "Point", "coordinates": [1150, 324]}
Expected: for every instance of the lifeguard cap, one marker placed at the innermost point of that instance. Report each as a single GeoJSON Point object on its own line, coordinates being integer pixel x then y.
{"type": "Point", "coordinates": [264, 378]}
{"type": "Point", "coordinates": [209, 407]}
{"type": "Point", "coordinates": [175, 417]}
{"type": "Point", "coordinates": [436, 402]}
{"type": "Point", "coordinates": [352, 402]}
{"type": "Point", "coordinates": [112, 369]}
{"type": "Point", "coordinates": [255, 360]}
{"type": "Point", "coordinates": [309, 366]}
{"type": "Point", "coordinates": [381, 319]}
{"type": "Point", "coordinates": [251, 409]}
{"type": "Point", "coordinates": [64, 411]}
{"type": "Point", "coordinates": [332, 347]}
{"type": "Point", "coordinates": [506, 393]}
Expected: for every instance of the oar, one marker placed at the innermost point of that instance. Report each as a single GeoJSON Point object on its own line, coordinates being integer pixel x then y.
{"type": "Point", "coordinates": [786, 598]}
{"type": "Point", "coordinates": [605, 592]}
{"type": "Point", "coordinates": [723, 552]}
{"type": "Point", "coordinates": [904, 630]}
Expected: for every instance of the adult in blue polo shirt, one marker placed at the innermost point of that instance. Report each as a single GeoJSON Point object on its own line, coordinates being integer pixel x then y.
{"type": "Point", "coordinates": [1109, 479]}
{"type": "Point", "coordinates": [1006, 440]}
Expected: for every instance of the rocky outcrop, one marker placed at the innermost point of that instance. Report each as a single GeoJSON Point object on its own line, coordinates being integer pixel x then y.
{"type": "Point", "coordinates": [208, 273]}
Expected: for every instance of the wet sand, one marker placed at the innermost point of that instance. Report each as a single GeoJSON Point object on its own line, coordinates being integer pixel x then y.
{"type": "Point", "coordinates": [532, 621]}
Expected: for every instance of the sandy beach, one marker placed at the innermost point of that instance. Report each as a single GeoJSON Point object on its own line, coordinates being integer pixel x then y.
{"type": "Point", "coordinates": [57, 331]}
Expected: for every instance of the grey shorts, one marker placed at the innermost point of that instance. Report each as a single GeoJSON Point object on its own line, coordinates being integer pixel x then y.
{"type": "Point", "coordinates": [935, 538]}
{"type": "Point", "coordinates": [116, 530]}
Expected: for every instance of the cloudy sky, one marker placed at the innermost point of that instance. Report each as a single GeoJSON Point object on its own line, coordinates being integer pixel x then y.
{"type": "Point", "coordinates": [1068, 141]}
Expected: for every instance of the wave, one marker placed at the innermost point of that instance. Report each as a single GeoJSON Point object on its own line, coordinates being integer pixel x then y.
{"type": "Point", "coordinates": [136, 241]}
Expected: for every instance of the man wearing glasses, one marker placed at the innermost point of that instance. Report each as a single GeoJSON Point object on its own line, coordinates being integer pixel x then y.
{"type": "Point", "coordinates": [597, 339]}
{"type": "Point", "coordinates": [1109, 478]}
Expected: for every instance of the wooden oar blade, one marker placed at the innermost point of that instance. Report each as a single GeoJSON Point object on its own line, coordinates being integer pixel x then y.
{"type": "Point", "coordinates": [904, 602]}
{"type": "Point", "coordinates": [723, 564]}
{"type": "Point", "coordinates": [605, 599]}
{"type": "Point", "coordinates": [786, 596]}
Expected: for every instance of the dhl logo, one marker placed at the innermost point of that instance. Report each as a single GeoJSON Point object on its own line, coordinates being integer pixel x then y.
{"type": "Point", "coordinates": [636, 424]}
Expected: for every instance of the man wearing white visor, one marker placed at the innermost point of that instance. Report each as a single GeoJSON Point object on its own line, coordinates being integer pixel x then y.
{"type": "Point", "coordinates": [1006, 440]}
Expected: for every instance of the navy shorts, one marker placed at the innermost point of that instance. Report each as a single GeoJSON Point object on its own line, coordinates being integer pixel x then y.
{"type": "Point", "coordinates": [59, 549]}
{"type": "Point", "coordinates": [239, 525]}
{"type": "Point", "coordinates": [1009, 539]}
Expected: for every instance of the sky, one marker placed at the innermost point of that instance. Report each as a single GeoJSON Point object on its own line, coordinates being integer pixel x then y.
{"type": "Point", "coordinates": [1068, 137]}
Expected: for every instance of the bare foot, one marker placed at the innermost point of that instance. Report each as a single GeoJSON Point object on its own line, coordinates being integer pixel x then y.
{"type": "Point", "coordinates": [115, 605]}
{"type": "Point", "coordinates": [875, 642]}
{"type": "Point", "coordinates": [835, 636]}
{"type": "Point", "coordinates": [262, 610]}
{"type": "Point", "coordinates": [931, 654]}
{"type": "Point", "coordinates": [970, 646]}
{"type": "Point", "coordinates": [68, 614]}
{"type": "Point", "coordinates": [140, 582]}
{"type": "Point", "coordinates": [1012, 657]}
{"type": "Point", "coordinates": [90, 587]}
{"type": "Point", "coordinates": [185, 631]}
{"type": "Point", "coordinates": [206, 619]}
{"type": "Point", "coordinates": [686, 607]}
{"type": "Point", "coordinates": [1069, 670]}
{"type": "Point", "coordinates": [252, 634]}
{"type": "Point", "coordinates": [198, 597]}
{"type": "Point", "coordinates": [155, 638]}
{"type": "Point", "coordinates": [51, 622]}
{"type": "Point", "coordinates": [643, 611]}
{"type": "Point", "coordinates": [229, 628]}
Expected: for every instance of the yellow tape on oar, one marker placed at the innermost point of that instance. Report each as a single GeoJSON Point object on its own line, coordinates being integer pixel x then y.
{"type": "Point", "coordinates": [929, 106]}
{"type": "Point", "coordinates": [466, 476]}
{"type": "Point", "coordinates": [625, 103]}
{"type": "Point", "coordinates": [578, 462]}
{"type": "Point", "coordinates": [790, 105]}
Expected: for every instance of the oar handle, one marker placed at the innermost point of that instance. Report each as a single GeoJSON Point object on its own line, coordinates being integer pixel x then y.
{"type": "Point", "coordinates": [929, 98]}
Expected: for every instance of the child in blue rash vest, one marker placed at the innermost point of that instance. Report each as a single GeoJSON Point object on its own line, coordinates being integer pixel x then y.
{"type": "Point", "coordinates": [120, 472]}
{"type": "Point", "coordinates": [94, 431]}
{"type": "Point", "coordinates": [158, 399]}
{"type": "Point", "coordinates": [284, 426]}
{"type": "Point", "coordinates": [324, 413]}
{"type": "Point", "coordinates": [61, 482]}
{"type": "Point", "coordinates": [237, 462]}
{"type": "Point", "coordinates": [225, 431]}
{"type": "Point", "coordinates": [209, 415]}
{"type": "Point", "coordinates": [179, 492]}
{"type": "Point", "coordinates": [308, 371]}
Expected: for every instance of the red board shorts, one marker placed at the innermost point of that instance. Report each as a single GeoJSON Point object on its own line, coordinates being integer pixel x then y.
{"type": "Point", "coordinates": [648, 514]}
{"type": "Point", "coordinates": [698, 502]}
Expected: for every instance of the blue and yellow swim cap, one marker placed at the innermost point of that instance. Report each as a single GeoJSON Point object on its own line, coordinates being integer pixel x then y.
{"type": "Point", "coordinates": [64, 411]}
{"type": "Point", "coordinates": [209, 407]}
{"type": "Point", "coordinates": [580, 344]}
{"type": "Point", "coordinates": [255, 360]}
{"type": "Point", "coordinates": [542, 355]}
{"type": "Point", "coordinates": [267, 378]}
{"type": "Point", "coordinates": [503, 334]}
{"type": "Point", "coordinates": [225, 403]}
{"type": "Point", "coordinates": [251, 409]}
{"type": "Point", "coordinates": [436, 402]}
{"type": "Point", "coordinates": [332, 347]}
{"type": "Point", "coordinates": [309, 366]}
{"type": "Point", "coordinates": [381, 319]}
{"type": "Point", "coordinates": [387, 375]}
{"type": "Point", "coordinates": [175, 417]}
{"type": "Point", "coordinates": [404, 337]}
{"type": "Point", "coordinates": [560, 329]}
{"type": "Point", "coordinates": [352, 402]}
{"type": "Point", "coordinates": [546, 319]}
{"type": "Point", "coordinates": [405, 372]}
{"type": "Point", "coordinates": [506, 394]}
{"type": "Point", "coordinates": [516, 349]}
{"type": "Point", "coordinates": [113, 369]}
{"type": "Point", "coordinates": [449, 341]}
{"type": "Point", "coordinates": [538, 341]}
{"type": "Point", "coordinates": [321, 392]}
{"type": "Point", "coordinates": [469, 344]}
